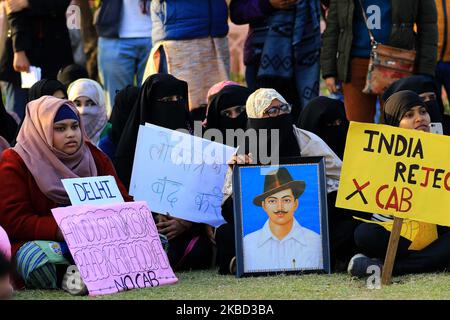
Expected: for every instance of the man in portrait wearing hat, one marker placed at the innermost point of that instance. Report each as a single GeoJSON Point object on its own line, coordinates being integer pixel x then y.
{"type": "Point", "coordinates": [282, 243]}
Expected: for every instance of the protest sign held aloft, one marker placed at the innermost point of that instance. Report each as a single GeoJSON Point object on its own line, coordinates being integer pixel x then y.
{"type": "Point", "coordinates": [400, 172]}
{"type": "Point", "coordinates": [180, 174]}
{"type": "Point", "coordinates": [116, 247]}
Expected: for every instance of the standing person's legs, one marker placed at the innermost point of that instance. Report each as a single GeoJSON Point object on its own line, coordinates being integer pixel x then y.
{"type": "Point", "coordinates": [143, 46]}
{"type": "Point", "coordinates": [358, 105]}
{"type": "Point", "coordinates": [116, 65]}
{"type": "Point", "coordinates": [307, 80]}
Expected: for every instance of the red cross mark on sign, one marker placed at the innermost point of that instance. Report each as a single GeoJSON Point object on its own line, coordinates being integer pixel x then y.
{"type": "Point", "coordinates": [358, 190]}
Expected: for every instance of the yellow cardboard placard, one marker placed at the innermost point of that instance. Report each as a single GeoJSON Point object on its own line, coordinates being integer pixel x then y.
{"type": "Point", "coordinates": [399, 172]}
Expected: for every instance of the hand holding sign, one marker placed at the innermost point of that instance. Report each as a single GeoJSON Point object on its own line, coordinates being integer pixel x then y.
{"type": "Point", "coordinates": [172, 227]}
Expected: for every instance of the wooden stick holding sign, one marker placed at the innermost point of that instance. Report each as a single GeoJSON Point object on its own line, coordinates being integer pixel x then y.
{"type": "Point", "coordinates": [391, 251]}
{"type": "Point", "coordinates": [406, 175]}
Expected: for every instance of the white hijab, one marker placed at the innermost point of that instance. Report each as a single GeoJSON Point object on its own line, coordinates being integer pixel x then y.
{"type": "Point", "coordinates": [93, 117]}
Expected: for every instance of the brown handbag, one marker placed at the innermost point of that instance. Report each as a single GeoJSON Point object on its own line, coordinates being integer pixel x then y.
{"type": "Point", "coordinates": [387, 64]}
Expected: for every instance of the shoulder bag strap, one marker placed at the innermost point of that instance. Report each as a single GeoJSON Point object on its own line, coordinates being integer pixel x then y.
{"type": "Point", "coordinates": [372, 38]}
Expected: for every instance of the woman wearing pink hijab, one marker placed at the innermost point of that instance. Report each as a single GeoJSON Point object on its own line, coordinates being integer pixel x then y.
{"type": "Point", "coordinates": [51, 145]}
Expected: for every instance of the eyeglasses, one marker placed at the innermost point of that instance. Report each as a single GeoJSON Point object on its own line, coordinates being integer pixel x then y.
{"type": "Point", "coordinates": [428, 96]}
{"type": "Point", "coordinates": [232, 112]}
{"type": "Point", "coordinates": [275, 111]}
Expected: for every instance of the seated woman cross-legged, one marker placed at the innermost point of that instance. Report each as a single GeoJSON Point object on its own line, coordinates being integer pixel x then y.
{"type": "Point", "coordinates": [51, 145]}
{"type": "Point", "coordinates": [427, 250]}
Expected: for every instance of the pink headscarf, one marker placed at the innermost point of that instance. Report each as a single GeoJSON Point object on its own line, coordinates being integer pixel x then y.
{"type": "Point", "coordinates": [47, 164]}
{"type": "Point", "coordinates": [5, 245]}
{"type": "Point", "coordinates": [219, 86]}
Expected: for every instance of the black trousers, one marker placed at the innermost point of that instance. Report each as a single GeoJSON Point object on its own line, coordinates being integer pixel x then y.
{"type": "Point", "coordinates": [199, 257]}
{"type": "Point", "coordinates": [372, 240]}
{"type": "Point", "coordinates": [341, 226]}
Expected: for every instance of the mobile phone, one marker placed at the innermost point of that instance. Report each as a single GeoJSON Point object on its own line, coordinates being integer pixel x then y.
{"type": "Point", "coordinates": [436, 127]}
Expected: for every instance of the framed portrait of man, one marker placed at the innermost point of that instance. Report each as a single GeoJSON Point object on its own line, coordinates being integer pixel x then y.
{"type": "Point", "coordinates": [281, 222]}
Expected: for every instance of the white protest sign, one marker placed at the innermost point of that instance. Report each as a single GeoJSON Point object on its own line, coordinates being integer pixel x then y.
{"type": "Point", "coordinates": [180, 174]}
{"type": "Point", "coordinates": [93, 190]}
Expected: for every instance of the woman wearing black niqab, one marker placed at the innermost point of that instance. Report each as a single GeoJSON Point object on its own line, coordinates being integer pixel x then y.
{"type": "Point", "coordinates": [227, 109]}
{"type": "Point", "coordinates": [162, 101]}
{"type": "Point", "coordinates": [123, 104]}
{"type": "Point", "coordinates": [326, 118]}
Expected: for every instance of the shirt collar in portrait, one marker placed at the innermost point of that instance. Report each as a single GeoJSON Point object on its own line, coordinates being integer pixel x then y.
{"type": "Point", "coordinates": [296, 233]}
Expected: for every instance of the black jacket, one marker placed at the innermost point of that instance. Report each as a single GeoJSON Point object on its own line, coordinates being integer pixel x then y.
{"type": "Point", "coordinates": [107, 20]}
{"type": "Point", "coordinates": [41, 32]}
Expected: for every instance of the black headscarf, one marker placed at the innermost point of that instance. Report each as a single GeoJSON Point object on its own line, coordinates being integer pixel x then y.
{"type": "Point", "coordinates": [326, 118]}
{"type": "Point", "coordinates": [123, 104]}
{"type": "Point", "coordinates": [8, 126]}
{"type": "Point", "coordinates": [400, 103]}
{"type": "Point", "coordinates": [419, 84]}
{"type": "Point", "coordinates": [228, 97]}
{"type": "Point", "coordinates": [45, 87]}
{"type": "Point", "coordinates": [287, 143]}
{"type": "Point", "coordinates": [70, 73]}
{"type": "Point", "coordinates": [171, 115]}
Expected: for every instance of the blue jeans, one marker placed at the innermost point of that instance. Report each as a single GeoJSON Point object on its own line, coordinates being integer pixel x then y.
{"type": "Point", "coordinates": [121, 62]}
{"type": "Point", "coordinates": [15, 98]}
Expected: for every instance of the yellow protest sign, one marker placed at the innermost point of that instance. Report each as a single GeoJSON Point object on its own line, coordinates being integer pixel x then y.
{"type": "Point", "coordinates": [394, 171]}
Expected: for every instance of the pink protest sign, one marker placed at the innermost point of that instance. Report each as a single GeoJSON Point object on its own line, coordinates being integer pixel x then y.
{"type": "Point", "coordinates": [116, 247]}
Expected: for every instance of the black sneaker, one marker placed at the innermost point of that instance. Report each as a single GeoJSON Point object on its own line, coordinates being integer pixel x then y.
{"type": "Point", "coordinates": [359, 265]}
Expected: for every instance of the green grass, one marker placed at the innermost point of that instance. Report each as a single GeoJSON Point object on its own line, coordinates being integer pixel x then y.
{"type": "Point", "coordinates": [208, 285]}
